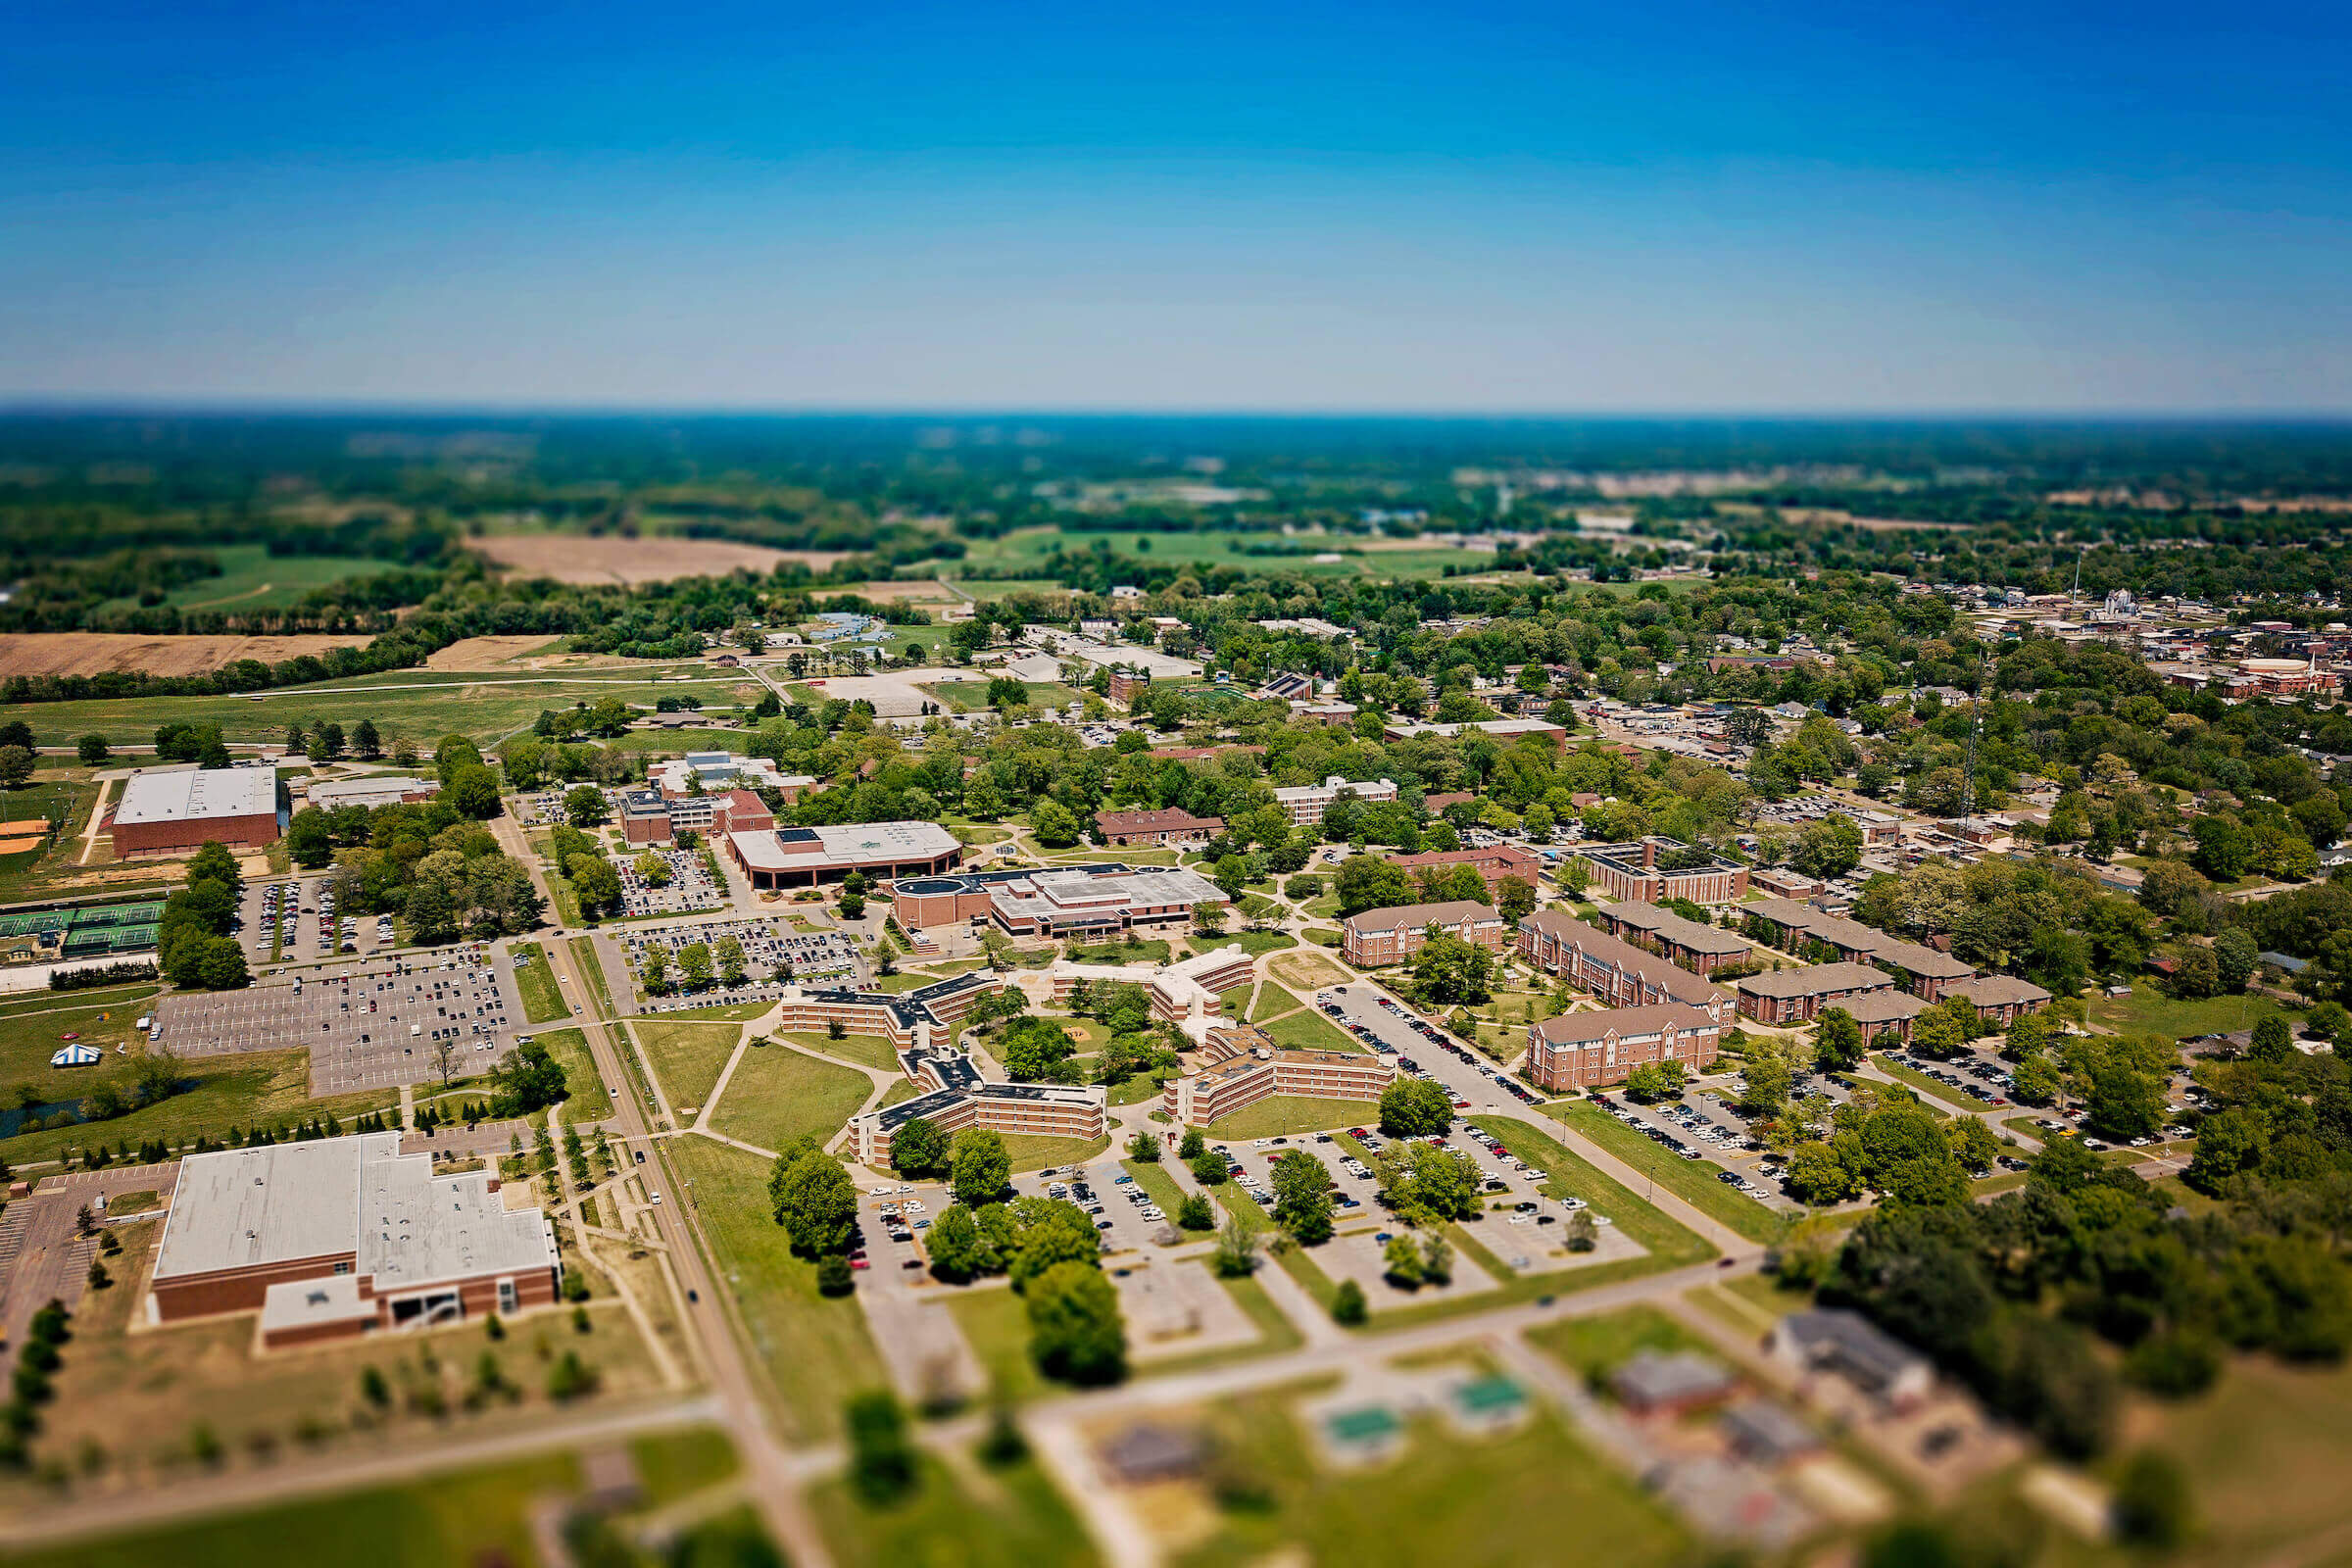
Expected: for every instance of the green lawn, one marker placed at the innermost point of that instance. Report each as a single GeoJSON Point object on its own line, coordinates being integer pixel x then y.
{"type": "Point", "coordinates": [871, 1051]}
{"type": "Point", "coordinates": [1257, 944]}
{"type": "Point", "coordinates": [252, 578]}
{"type": "Point", "coordinates": [1281, 1115]}
{"type": "Point", "coordinates": [542, 996]}
{"type": "Point", "coordinates": [1497, 1503]}
{"type": "Point", "coordinates": [678, 1465]}
{"type": "Point", "coordinates": [588, 1099]}
{"type": "Point", "coordinates": [1692, 1180]}
{"type": "Point", "coordinates": [814, 1350]}
{"type": "Point", "coordinates": [2148, 1010]}
{"type": "Point", "coordinates": [902, 1090]}
{"type": "Point", "coordinates": [778, 1094]}
{"type": "Point", "coordinates": [1309, 1030]}
{"type": "Point", "coordinates": [50, 868]}
{"type": "Point", "coordinates": [1021, 1521]}
{"type": "Point", "coordinates": [260, 1088]}
{"type": "Point", "coordinates": [996, 1323]}
{"type": "Point", "coordinates": [1913, 1078]}
{"type": "Point", "coordinates": [1158, 1183]}
{"type": "Point", "coordinates": [1597, 1344]}
{"type": "Point", "coordinates": [971, 696]}
{"type": "Point", "coordinates": [686, 1058]}
{"type": "Point", "coordinates": [474, 1515]}
{"type": "Point", "coordinates": [1035, 1152]}
{"type": "Point", "coordinates": [723, 1012]}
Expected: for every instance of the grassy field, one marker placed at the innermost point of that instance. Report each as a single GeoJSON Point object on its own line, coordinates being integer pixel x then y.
{"type": "Point", "coordinates": [33, 873]}
{"type": "Point", "coordinates": [1281, 1115]}
{"type": "Point", "coordinates": [1443, 1499]}
{"type": "Point", "coordinates": [971, 696]}
{"type": "Point", "coordinates": [252, 578]}
{"type": "Point", "coordinates": [1272, 1003]}
{"type": "Point", "coordinates": [778, 1095]}
{"type": "Point", "coordinates": [1026, 546]}
{"type": "Point", "coordinates": [35, 1032]}
{"type": "Point", "coordinates": [2148, 1010]}
{"type": "Point", "coordinates": [814, 1350]}
{"type": "Point", "coordinates": [1309, 1030]}
{"type": "Point", "coordinates": [872, 1051]}
{"type": "Point", "coordinates": [996, 1323]}
{"type": "Point", "coordinates": [686, 1058]}
{"type": "Point", "coordinates": [589, 1099]}
{"type": "Point", "coordinates": [1158, 1183]}
{"type": "Point", "coordinates": [478, 1514]}
{"type": "Point", "coordinates": [421, 705]}
{"type": "Point", "coordinates": [678, 1465]}
{"type": "Point", "coordinates": [1020, 1521]}
{"type": "Point", "coordinates": [1257, 944]}
{"type": "Point", "coordinates": [1692, 1180]}
{"type": "Point", "coordinates": [261, 1088]}
{"type": "Point", "coordinates": [1033, 1152]}
{"type": "Point", "coordinates": [542, 996]}
{"type": "Point", "coordinates": [1597, 1344]}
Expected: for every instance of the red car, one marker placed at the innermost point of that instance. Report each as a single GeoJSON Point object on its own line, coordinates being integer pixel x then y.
{"type": "Point", "coordinates": [860, 1263]}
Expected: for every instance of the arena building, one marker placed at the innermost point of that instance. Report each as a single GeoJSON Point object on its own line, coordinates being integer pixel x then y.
{"type": "Point", "coordinates": [804, 856]}
{"type": "Point", "coordinates": [337, 1237]}
{"type": "Point", "coordinates": [1064, 901]}
{"type": "Point", "coordinates": [179, 811]}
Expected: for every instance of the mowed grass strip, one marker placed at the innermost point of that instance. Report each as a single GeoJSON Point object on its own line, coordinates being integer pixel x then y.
{"type": "Point", "coordinates": [542, 996]}
{"type": "Point", "coordinates": [1020, 1522]}
{"type": "Point", "coordinates": [1308, 1030]}
{"type": "Point", "coordinates": [778, 1094]}
{"type": "Point", "coordinates": [1692, 1180]}
{"type": "Point", "coordinates": [813, 1348]}
{"type": "Point", "coordinates": [589, 1099]}
{"type": "Point", "coordinates": [871, 1051]}
{"type": "Point", "coordinates": [1573, 1176]}
{"type": "Point", "coordinates": [686, 1058]}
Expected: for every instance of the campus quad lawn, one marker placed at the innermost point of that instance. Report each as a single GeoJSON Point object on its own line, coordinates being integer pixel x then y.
{"type": "Point", "coordinates": [1281, 1116]}
{"type": "Point", "coordinates": [2148, 1010]}
{"type": "Point", "coordinates": [686, 1058]}
{"type": "Point", "coordinates": [1309, 1030]}
{"type": "Point", "coordinates": [872, 1051]}
{"type": "Point", "coordinates": [778, 1095]}
{"type": "Point", "coordinates": [678, 1465]}
{"type": "Point", "coordinates": [1035, 1152]}
{"type": "Point", "coordinates": [1692, 1180]}
{"type": "Point", "coordinates": [472, 1515]}
{"type": "Point", "coordinates": [813, 1348]}
{"type": "Point", "coordinates": [262, 1087]}
{"type": "Point", "coordinates": [720, 1012]}
{"type": "Point", "coordinates": [542, 996]}
{"type": "Point", "coordinates": [902, 1090]}
{"type": "Point", "coordinates": [1021, 1521]}
{"type": "Point", "coordinates": [588, 1099]}
{"type": "Point", "coordinates": [1469, 1502]}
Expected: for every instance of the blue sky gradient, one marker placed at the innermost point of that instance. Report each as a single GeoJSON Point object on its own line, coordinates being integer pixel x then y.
{"type": "Point", "coordinates": [1491, 206]}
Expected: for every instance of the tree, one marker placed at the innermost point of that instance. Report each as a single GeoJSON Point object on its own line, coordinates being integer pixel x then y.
{"type": "Point", "coordinates": [594, 882]}
{"type": "Point", "coordinates": [1583, 1233]}
{"type": "Point", "coordinates": [91, 749]}
{"type": "Point", "coordinates": [1368, 882]}
{"type": "Point", "coordinates": [1146, 1149]}
{"type": "Point", "coordinates": [584, 805]}
{"type": "Point", "coordinates": [814, 1199]}
{"type": "Point", "coordinates": [834, 1276]}
{"type": "Point", "coordinates": [882, 1460]}
{"type": "Point", "coordinates": [2272, 1041]}
{"type": "Point", "coordinates": [1451, 969]}
{"type": "Point", "coordinates": [2151, 1501]}
{"type": "Point", "coordinates": [918, 1147]}
{"type": "Point", "coordinates": [1034, 1050]}
{"type": "Point", "coordinates": [1827, 848]}
{"type": "Point", "coordinates": [1402, 1257]}
{"type": "Point", "coordinates": [2034, 1081]}
{"type": "Point", "coordinates": [2228, 1142]}
{"type": "Point", "coordinates": [1654, 1081]}
{"type": "Point", "coordinates": [1514, 899]}
{"type": "Point", "coordinates": [954, 1244]}
{"type": "Point", "coordinates": [693, 963]}
{"type": "Point", "coordinates": [221, 964]}
{"type": "Point", "coordinates": [1196, 1213]}
{"type": "Point", "coordinates": [1191, 1145]}
{"type": "Point", "coordinates": [2235, 956]}
{"type": "Point", "coordinates": [367, 740]}
{"type": "Point", "coordinates": [1836, 1041]}
{"type": "Point", "coordinates": [1236, 1252]}
{"type": "Point", "coordinates": [1425, 1185]}
{"type": "Point", "coordinates": [1075, 1332]}
{"type": "Point", "coordinates": [1414, 1107]}
{"type": "Point", "coordinates": [730, 959]}
{"type": "Point", "coordinates": [1973, 1143]}
{"type": "Point", "coordinates": [1207, 1167]}
{"type": "Point", "coordinates": [1303, 1201]}
{"type": "Point", "coordinates": [978, 1166]}
{"type": "Point", "coordinates": [1767, 1079]}
{"type": "Point", "coordinates": [1347, 1306]}
{"type": "Point", "coordinates": [1057, 825]}
{"type": "Point", "coordinates": [1818, 1177]}
{"type": "Point", "coordinates": [15, 765]}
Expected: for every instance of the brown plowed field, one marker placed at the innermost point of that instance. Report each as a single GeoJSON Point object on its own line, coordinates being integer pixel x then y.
{"type": "Point", "coordinates": [613, 559]}
{"type": "Point", "coordinates": [96, 653]}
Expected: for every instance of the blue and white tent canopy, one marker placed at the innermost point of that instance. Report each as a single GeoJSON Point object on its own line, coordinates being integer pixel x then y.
{"type": "Point", "coordinates": [77, 1056]}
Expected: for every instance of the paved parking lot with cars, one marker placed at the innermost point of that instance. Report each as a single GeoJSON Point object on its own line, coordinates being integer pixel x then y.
{"type": "Point", "coordinates": [769, 944]}
{"type": "Point", "coordinates": [691, 886]}
{"type": "Point", "coordinates": [366, 1026]}
{"type": "Point", "coordinates": [296, 918]}
{"type": "Point", "coordinates": [1425, 1049]}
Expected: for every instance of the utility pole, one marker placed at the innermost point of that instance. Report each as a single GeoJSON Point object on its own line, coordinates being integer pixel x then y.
{"type": "Point", "coordinates": [1976, 725]}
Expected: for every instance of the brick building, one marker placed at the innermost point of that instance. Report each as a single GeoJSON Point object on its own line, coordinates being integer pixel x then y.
{"type": "Point", "coordinates": [658, 816]}
{"type": "Point", "coordinates": [1999, 997]}
{"type": "Point", "coordinates": [1173, 825]}
{"type": "Point", "coordinates": [1082, 901]}
{"type": "Point", "coordinates": [338, 1237]}
{"type": "Point", "coordinates": [804, 856]}
{"type": "Point", "coordinates": [1797, 995]}
{"type": "Point", "coordinates": [1246, 1068]}
{"type": "Point", "coordinates": [1610, 968]}
{"type": "Point", "coordinates": [1306, 802]}
{"type": "Point", "coordinates": [1700, 949]}
{"type": "Point", "coordinates": [1889, 1012]}
{"type": "Point", "coordinates": [179, 811]}
{"type": "Point", "coordinates": [1583, 1050]}
{"type": "Point", "coordinates": [1390, 935]}
{"type": "Point", "coordinates": [1652, 869]}
{"type": "Point", "coordinates": [1494, 864]}
{"type": "Point", "coordinates": [1188, 989]}
{"type": "Point", "coordinates": [1798, 927]}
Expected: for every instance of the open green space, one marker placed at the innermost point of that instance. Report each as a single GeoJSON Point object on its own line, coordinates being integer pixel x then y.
{"type": "Point", "coordinates": [722, 1013]}
{"type": "Point", "coordinates": [1692, 1180]}
{"type": "Point", "coordinates": [871, 1051]}
{"type": "Point", "coordinates": [1359, 556]}
{"type": "Point", "coordinates": [1913, 1078]}
{"type": "Point", "coordinates": [102, 998]}
{"type": "Point", "coordinates": [1308, 1030]}
{"type": "Point", "coordinates": [813, 1348]}
{"type": "Point", "coordinates": [251, 579]}
{"type": "Point", "coordinates": [778, 1094]}
{"type": "Point", "coordinates": [421, 705]}
{"type": "Point", "coordinates": [900, 1090]}
{"type": "Point", "coordinates": [1272, 1003]}
{"type": "Point", "coordinates": [2148, 1010]}
{"type": "Point", "coordinates": [1281, 1115]}
{"type": "Point", "coordinates": [1035, 1152]}
{"type": "Point", "coordinates": [686, 1058]}
{"type": "Point", "coordinates": [996, 1321]}
{"type": "Point", "coordinates": [588, 1099]}
{"type": "Point", "coordinates": [971, 696]}
{"type": "Point", "coordinates": [542, 996]}
{"type": "Point", "coordinates": [678, 1465]}
{"type": "Point", "coordinates": [262, 1087]}
{"type": "Point", "coordinates": [48, 868]}
{"type": "Point", "coordinates": [1597, 1344]}
{"type": "Point", "coordinates": [1019, 1521]}
{"type": "Point", "coordinates": [1499, 1503]}
{"type": "Point", "coordinates": [478, 1514]}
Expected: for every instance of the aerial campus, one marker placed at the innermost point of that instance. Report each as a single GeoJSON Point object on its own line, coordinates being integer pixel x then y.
{"type": "Point", "coordinates": [1671, 1020]}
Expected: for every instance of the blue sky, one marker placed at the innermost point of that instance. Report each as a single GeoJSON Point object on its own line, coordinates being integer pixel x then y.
{"type": "Point", "coordinates": [1484, 207]}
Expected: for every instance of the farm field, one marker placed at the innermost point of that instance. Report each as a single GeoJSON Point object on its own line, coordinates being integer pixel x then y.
{"type": "Point", "coordinates": [654, 558]}
{"type": "Point", "coordinates": [252, 578]}
{"type": "Point", "coordinates": [421, 705]}
{"type": "Point", "coordinates": [99, 653]}
{"type": "Point", "coordinates": [1360, 556]}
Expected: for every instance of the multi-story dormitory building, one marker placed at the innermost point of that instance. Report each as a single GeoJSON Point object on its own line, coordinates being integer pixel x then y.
{"type": "Point", "coordinates": [1245, 1066]}
{"type": "Point", "coordinates": [908, 1021]}
{"type": "Point", "coordinates": [956, 1096]}
{"type": "Point", "coordinates": [1610, 968]}
{"type": "Point", "coordinates": [1633, 872]}
{"type": "Point", "coordinates": [1390, 935]}
{"type": "Point", "coordinates": [1798, 927]}
{"type": "Point", "coordinates": [1658, 1011]}
{"type": "Point", "coordinates": [1700, 949]}
{"type": "Point", "coordinates": [1186, 992]}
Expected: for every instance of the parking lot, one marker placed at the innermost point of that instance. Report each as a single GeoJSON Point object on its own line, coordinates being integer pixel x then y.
{"type": "Point", "coordinates": [1707, 1125]}
{"type": "Point", "coordinates": [691, 886]}
{"type": "Point", "coordinates": [1424, 1048]}
{"type": "Point", "coordinates": [285, 920]}
{"type": "Point", "coordinates": [769, 944]}
{"type": "Point", "coordinates": [366, 1026]}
